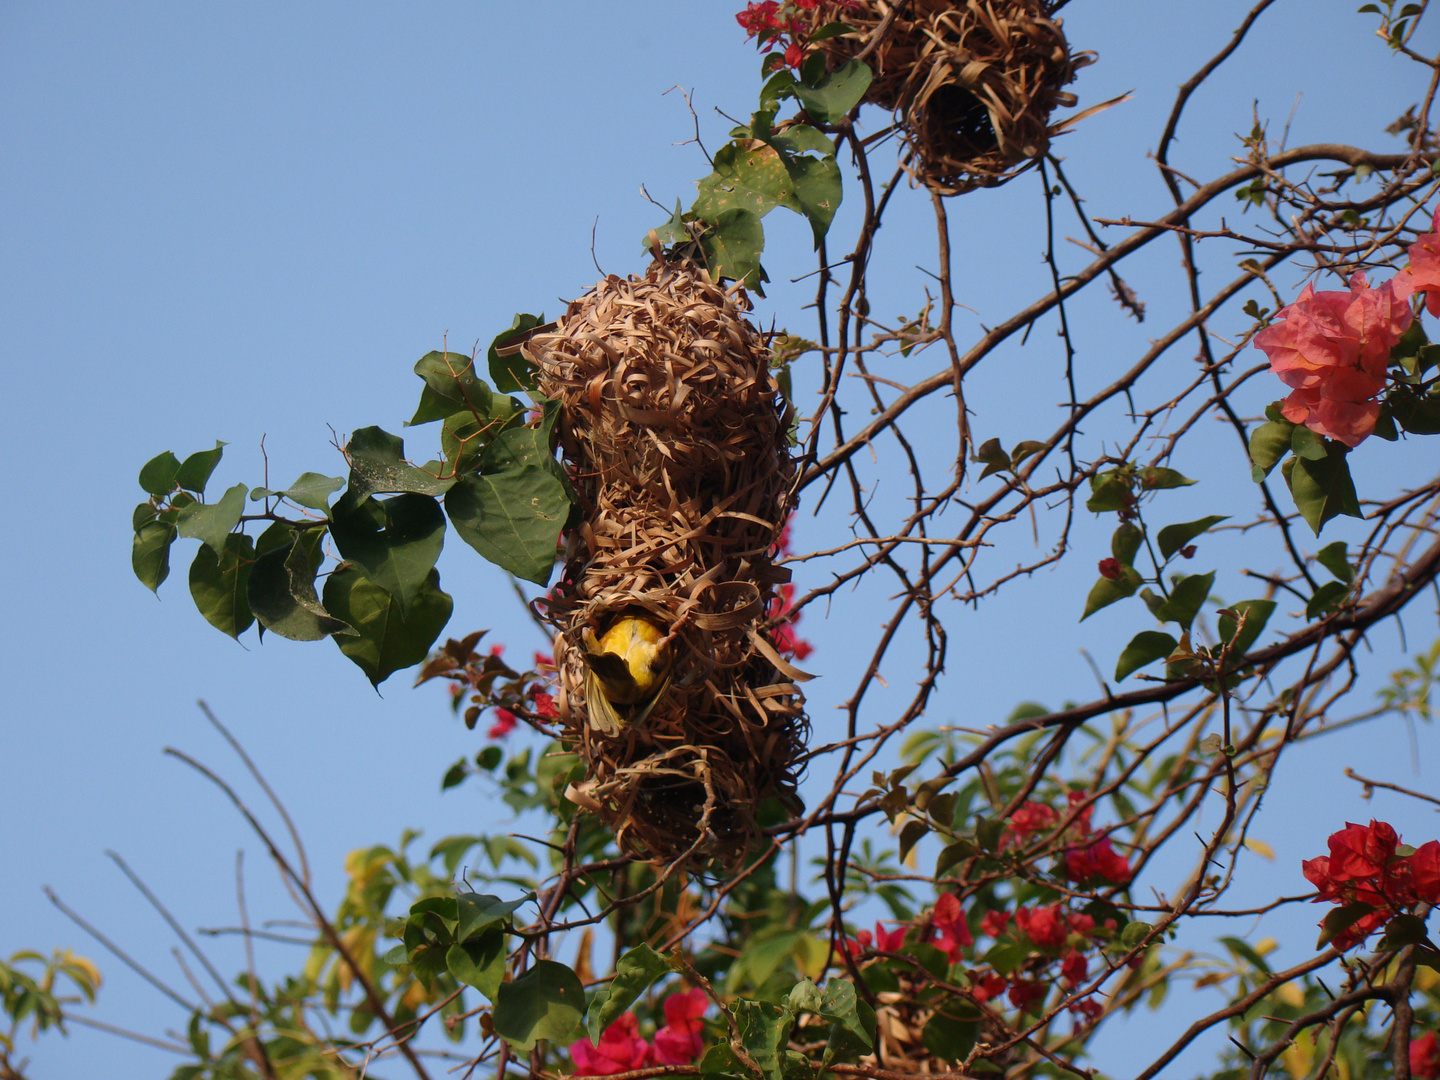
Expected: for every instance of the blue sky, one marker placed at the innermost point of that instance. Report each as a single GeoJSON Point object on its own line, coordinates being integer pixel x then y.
{"type": "Point", "coordinates": [247, 221]}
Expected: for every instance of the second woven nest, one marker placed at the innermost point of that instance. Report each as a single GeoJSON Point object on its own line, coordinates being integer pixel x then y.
{"type": "Point", "coordinates": [674, 434]}
{"type": "Point", "coordinates": [973, 82]}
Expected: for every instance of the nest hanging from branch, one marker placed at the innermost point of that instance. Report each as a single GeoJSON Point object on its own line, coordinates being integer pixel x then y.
{"type": "Point", "coordinates": [973, 82]}
{"type": "Point", "coordinates": [674, 433]}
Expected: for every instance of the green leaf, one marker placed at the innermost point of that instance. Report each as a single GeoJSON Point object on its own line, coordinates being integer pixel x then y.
{"type": "Point", "coordinates": [809, 158]}
{"type": "Point", "coordinates": [827, 100]}
{"type": "Point", "coordinates": [1257, 613]}
{"type": "Point", "coordinates": [763, 1031]}
{"type": "Point", "coordinates": [512, 374]}
{"type": "Point", "coordinates": [282, 593]}
{"type": "Point", "coordinates": [1245, 951]}
{"type": "Point", "coordinates": [1134, 933]}
{"type": "Point", "coordinates": [479, 963]}
{"type": "Point", "coordinates": [1126, 541]}
{"type": "Point", "coordinates": [157, 476]}
{"type": "Point", "coordinates": [1109, 492]}
{"type": "Point", "coordinates": [1186, 597]}
{"type": "Point", "coordinates": [732, 246]}
{"type": "Point", "coordinates": [150, 553]}
{"type": "Point", "coordinates": [195, 471]}
{"type": "Point", "coordinates": [378, 465]}
{"type": "Point", "coordinates": [749, 175]}
{"type": "Point", "coordinates": [1322, 489]}
{"type": "Point", "coordinates": [953, 855]}
{"type": "Point", "coordinates": [911, 834]}
{"type": "Point", "coordinates": [1174, 537]}
{"type": "Point", "coordinates": [1341, 919]}
{"type": "Point", "coordinates": [385, 638]}
{"type": "Point", "coordinates": [1307, 444]}
{"type": "Point", "coordinates": [635, 972]}
{"type": "Point", "coordinates": [1402, 930]}
{"type": "Point", "coordinates": [1326, 599]}
{"type": "Point", "coordinates": [512, 511]}
{"type": "Point", "coordinates": [1416, 413]}
{"type": "Point", "coordinates": [1155, 477]}
{"type": "Point", "coordinates": [1336, 558]}
{"type": "Point", "coordinates": [454, 387]}
{"type": "Point", "coordinates": [219, 584]}
{"type": "Point", "coordinates": [1269, 443]}
{"type": "Point", "coordinates": [547, 1002]}
{"type": "Point", "coordinates": [829, 30]}
{"type": "Point", "coordinates": [720, 1061]}
{"type": "Point", "coordinates": [479, 913]}
{"type": "Point", "coordinates": [1106, 591]}
{"type": "Point", "coordinates": [213, 522]}
{"type": "Point", "coordinates": [395, 541]}
{"type": "Point", "coordinates": [1145, 648]}
{"type": "Point", "coordinates": [994, 456]}
{"type": "Point", "coordinates": [950, 1038]}
{"type": "Point", "coordinates": [311, 489]}
{"type": "Point", "coordinates": [841, 1005]}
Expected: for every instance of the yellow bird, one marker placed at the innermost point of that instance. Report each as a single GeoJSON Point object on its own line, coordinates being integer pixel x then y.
{"type": "Point", "coordinates": [628, 672]}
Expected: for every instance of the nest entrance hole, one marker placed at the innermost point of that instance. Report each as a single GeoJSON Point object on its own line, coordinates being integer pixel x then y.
{"type": "Point", "coordinates": [960, 118]}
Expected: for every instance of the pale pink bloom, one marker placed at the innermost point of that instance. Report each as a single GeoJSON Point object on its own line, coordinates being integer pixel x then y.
{"type": "Point", "coordinates": [1423, 273]}
{"type": "Point", "coordinates": [1332, 350]}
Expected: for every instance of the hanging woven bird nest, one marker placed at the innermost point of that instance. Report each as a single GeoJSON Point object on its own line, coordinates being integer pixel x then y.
{"type": "Point", "coordinates": [672, 688]}
{"type": "Point", "coordinates": [973, 82]}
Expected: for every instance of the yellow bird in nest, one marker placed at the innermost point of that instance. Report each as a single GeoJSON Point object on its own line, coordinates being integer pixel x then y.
{"type": "Point", "coordinates": [628, 672]}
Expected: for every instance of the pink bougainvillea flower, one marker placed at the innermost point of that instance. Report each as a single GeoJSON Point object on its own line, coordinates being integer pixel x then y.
{"type": "Point", "coordinates": [1423, 273]}
{"type": "Point", "coordinates": [681, 1040]}
{"type": "Point", "coordinates": [545, 706]}
{"type": "Point", "coordinates": [1110, 568]}
{"type": "Point", "coordinates": [1332, 349]}
{"type": "Point", "coordinates": [859, 943]}
{"type": "Point", "coordinates": [504, 724]}
{"type": "Point", "coordinates": [1425, 1057]}
{"type": "Point", "coordinates": [621, 1049]}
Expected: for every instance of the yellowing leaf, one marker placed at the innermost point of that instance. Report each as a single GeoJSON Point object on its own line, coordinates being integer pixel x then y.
{"type": "Point", "coordinates": [1260, 847]}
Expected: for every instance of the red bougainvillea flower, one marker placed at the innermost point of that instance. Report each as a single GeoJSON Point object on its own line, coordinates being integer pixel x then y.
{"type": "Point", "coordinates": [952, 929]}
{"type": "Point", "coordinates": [794, 54]}
{"type": "Point", "coordinates": [1110, 568]}
{"type": "Point", "coordinates": [1425, 1057]}
{"type": "Point", "coordinates": [504, 724]}
{"type": "Point", "coordinates": [1045, 926]}
{"type": "Point", "coordinates": [621, 1049]}
{"type": "Point", "coordinates": [1026, 992]}
{"type": "Point", "coordinates": [1031, 817]}
{"type": "Point", "coordinates": [1332, 349]}
{"type": "Point", "coordinates": [1099, 861]}
{"type": "Point", "coordinates": [1074, 968]}
{"type": "Point", "coordinates": [757, 18]}
{"type": "Point", "coordinates": [680, 1041]}
{"type": "Point", "coordinates": [859, 943]}
{"type": "Point", "coordinates": [544, 662]}
{"type": "Point", "coordinates": [1081, 923]}
{"type": "Point", "coordinates": [993, 923]}
{"type": "Point", "coordinates": [889, 940]}
{"type": "Point", "coordinates": [1087, 1010]}
{"type": "Point", "coordinates": [785, 637]}
{"type": "Point", "coordinates": [545, 706]}
{"type": "Point", "coordinates": [987, 987]}
{"type": "Point", "coordinates": [1363, 867]}
{"type": "Point", "coordinates": [1423, 273]}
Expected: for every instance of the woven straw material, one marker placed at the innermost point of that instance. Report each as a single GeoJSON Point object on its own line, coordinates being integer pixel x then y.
{"type": "Point", "coordinates": [674, 432]}
{"type": "Point", "coordinates": [973, 83]}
